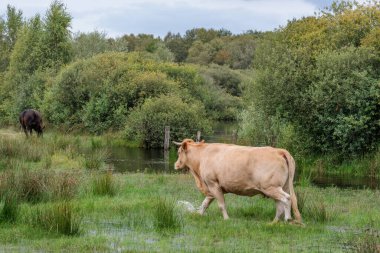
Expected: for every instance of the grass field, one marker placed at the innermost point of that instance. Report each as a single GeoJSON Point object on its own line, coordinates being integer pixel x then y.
{"type": "Point", "coordinates": [56, 197]}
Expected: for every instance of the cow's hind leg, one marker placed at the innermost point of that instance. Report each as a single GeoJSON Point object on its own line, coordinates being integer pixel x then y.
{"type": "Point", "coordinates": [218, 194]}
{"type": "Point", "coordinates": [206, 202]}
{"type": "Point", "coordinates": [280, 210]}
{"type": "Point", "coordinates": [282, 202]}
{"type": "Point", "coordinates": [25, 131]}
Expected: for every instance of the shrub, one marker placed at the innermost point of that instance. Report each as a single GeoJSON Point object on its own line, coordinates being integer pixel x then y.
{"type": "Point", "coordinates": [330, 96]}
{"type": "Point", "coordinates": [258, 129]}
{"type": "Point", "coordinates": [146, 124]}
{"type": "Point", "coordinates": [224, 77]}
{"type": "Point", "coordinates": [343, 102]}
{"type": "Point", "coordinates": [96, 93]}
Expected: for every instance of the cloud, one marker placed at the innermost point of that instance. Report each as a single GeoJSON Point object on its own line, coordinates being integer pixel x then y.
{"type": "Point", "coordinates": [118, 17]}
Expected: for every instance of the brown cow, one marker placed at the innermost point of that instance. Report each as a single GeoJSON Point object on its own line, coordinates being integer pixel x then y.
{"type": "Point", "coordinates": [224, 168]}
{"type": "Point", "coordinates": [31, 120]}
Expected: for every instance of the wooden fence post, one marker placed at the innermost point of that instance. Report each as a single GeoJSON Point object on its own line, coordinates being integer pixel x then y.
{"type": "Point", "coordinates": [234, 136]}
{"type": "Point", "coordinates": [166, 147]}
{"type": "Point", "coordinates": [167, 138]}
{"type": "Point", "coordinates": [198, 139]}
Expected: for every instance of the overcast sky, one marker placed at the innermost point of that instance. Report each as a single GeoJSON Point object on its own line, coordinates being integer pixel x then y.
{"type": "Point", "coordinates": [158, 17]}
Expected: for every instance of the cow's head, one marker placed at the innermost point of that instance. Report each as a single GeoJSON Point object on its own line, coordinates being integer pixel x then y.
{"type": "Point", "coordinates": [182, 153]}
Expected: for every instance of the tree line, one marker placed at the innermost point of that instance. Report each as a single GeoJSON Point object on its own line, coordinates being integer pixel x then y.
{"type": "Point", "coordinates": [312, 85]}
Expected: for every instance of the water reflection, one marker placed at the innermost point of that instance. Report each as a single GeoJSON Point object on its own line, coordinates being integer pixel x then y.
{"type": "Point", "coordinates": [347, 181]}
{"type": "Point", "coordinates": [125, 159]}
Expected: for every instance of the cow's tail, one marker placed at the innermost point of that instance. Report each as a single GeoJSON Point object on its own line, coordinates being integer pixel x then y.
{"type": "Point", "coordinates": [293, 197]}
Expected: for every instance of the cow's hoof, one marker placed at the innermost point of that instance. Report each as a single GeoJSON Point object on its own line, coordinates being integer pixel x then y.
{"type": "Point", "coordinates": [274, 222]}
{"type": "Point", "coordinates": [297, 223]}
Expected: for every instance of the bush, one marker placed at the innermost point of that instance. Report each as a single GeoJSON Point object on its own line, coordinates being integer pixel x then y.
{"type": "Point", "coordinates": [97, 93]}
{"type": "Point", "coordinates": [224, 77]}
{"type": "Point", "coordinates": [331, 99]}
{"type": "Point", "coordinates": [343, 102]}
{"type": "Point", "coordinates": [146, 124]}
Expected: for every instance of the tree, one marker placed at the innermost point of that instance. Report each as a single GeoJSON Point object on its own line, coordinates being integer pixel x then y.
{"type": "Point", "coordinates": [40, 50]}
{"type": "Point", "coordinates": [176, 44]}
{"type": "Point", "coordinates": [17, 92]}
{"type": "Point", "coordinates": [8, 34]}
{"type": "Point", "coordinates": [343, 102]}
{"type": "Point", "coordinates": [86, 45]}
{"type": "Point", "coordinates": [55, 42]}
{"type": "Point", "coordinates": [321, 75]}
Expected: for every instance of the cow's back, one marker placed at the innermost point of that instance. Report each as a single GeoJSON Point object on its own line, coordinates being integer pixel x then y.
{"type": "Point", "coordinates": [243, 170]}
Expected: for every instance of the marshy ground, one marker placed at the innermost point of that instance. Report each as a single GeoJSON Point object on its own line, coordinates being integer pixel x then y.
{"type": "Point", "coordinates": [58, 195]}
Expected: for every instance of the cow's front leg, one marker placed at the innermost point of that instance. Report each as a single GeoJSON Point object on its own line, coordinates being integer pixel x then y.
{"type": "Point", "coordinates": [218, 194]}
{"type": "Point", "coordinates": [206, 202]}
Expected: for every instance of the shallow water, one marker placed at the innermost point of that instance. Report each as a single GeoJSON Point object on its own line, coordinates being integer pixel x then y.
{"type": "Point", "coordinates": [126, 159]}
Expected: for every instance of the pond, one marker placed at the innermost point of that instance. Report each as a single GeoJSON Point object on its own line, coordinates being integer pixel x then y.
{"type": "Point", "coordinates": [126, 159]}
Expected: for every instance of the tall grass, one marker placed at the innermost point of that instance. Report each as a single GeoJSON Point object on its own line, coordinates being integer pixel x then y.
{"type": "Point", "coordinates": [31, 150]}
{"type": "Point", "coordinates": [165, 218]}
{"type": "Point", "coordinates": [95, 159]}
{"type": "Point", "coordinates": [10, 208]}
{"type": "Point", "coordinates": [104, 185]}
{"type": "Point", "coordinates": [58, 218]}
{"type": "Point", "coordinates": [39, 185]}
{"type": "Point", "coordinates": [314, 208]}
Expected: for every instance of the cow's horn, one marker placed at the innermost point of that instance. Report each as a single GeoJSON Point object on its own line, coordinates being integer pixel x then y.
{"type": "Point", "coordinates": [177, 143]}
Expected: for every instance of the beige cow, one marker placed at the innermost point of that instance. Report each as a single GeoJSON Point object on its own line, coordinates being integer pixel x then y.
{"type": "Point", "coordinates": [224, 168]}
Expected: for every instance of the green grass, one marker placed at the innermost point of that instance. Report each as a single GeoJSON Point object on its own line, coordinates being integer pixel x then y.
{"type": "Point", "coordinates": [57, 209]}
{"type": "Point", "coordinates": [144, 217]}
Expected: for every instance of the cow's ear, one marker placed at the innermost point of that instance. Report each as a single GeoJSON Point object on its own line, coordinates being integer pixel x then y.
{"type": "Point", "coordinates": [184, 145]}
